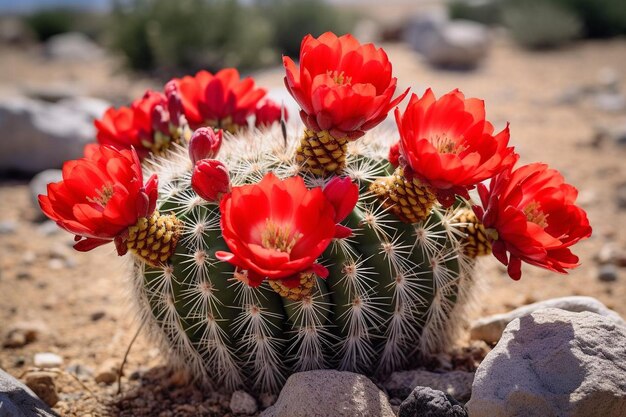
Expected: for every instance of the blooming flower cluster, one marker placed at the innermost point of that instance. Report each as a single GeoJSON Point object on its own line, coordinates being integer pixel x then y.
{"type": "Point", "coordinates": [277, 229]}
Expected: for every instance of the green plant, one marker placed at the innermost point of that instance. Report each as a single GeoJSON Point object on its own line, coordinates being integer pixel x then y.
{"type": "Point", "coordinates": [395, 290]}
{"type": "Point", "coordinates": [540, 24]}
{"type": "Point", "coordinates": [49, 22]}
{"type": "Point", "coordinates": [487, 12]}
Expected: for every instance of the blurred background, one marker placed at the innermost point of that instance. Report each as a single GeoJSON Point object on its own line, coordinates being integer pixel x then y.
{"type": "Point", "coordinates": [554, 69]}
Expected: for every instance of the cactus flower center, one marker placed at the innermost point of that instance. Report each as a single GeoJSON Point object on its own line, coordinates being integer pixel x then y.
{"type": "Point", "coordinates": [535, 215]}
{"type": "Point", "coordinates": [103, 196]}
{"type": "Point", "coordinates": [339, 77]}
{"type": "Point", "coordinates": [445, 144]}
{"type": "Point", "coordinates": [280, 238]}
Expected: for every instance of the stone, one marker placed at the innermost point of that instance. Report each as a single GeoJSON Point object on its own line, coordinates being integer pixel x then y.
{"type": "Point", "coordinates": [39, 185]}
{"type": "Point", "coordinates": [43, 135]}
{"type": "Point", "coordinates": [490, 328]}
{"type": "Point", "coordinates": [607, 273]}
{"type": "Point", "coordinates": [47, 360]}
{"type": "Point", "coordinates": [427, 402]}
{"type": "Point", "coordinates": [620, 196]}
{"type": "Point", "coordinates": [7, 227]}
{"type": "Point", "coordinates": [243, 403]}
{"type": "Point", "coordinates": [458, 384]}
{"type": "Point", "coordinates": [267, 400]}
{"type": "Point", "coordinates": [24, 332]}
{"type": "Point", "coordinates": [17, 400]}
{"type": "Point", "coordinates": [43, 384]}
{"type": "Point", "coordinates": [108, 371]}
{"type": "Point", "coordinates": [554, 362]}
{"type": "Point", "coordinates": [330, 393]}
{"type": "Point", "coordinates": [459, 44]}
{"type": "Point", "coordinates": [611, 102]}
{"type": "Point", "coordinates": [73, 46]}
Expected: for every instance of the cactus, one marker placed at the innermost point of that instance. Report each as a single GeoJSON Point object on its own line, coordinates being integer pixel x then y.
{"type": "Point", "coordinates": [395, 290]}
{"type": "Point", "coordinates": [261, 252]}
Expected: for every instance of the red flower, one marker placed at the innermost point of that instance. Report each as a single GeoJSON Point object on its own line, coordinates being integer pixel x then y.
{"type": "Point", "coordinates": [530, 213]}
{"type": "Point", "coordinates": [277, 229]}
{"type": "Point", "coordinates": [448, 143]}
{"type": "Point", "coordinates": [394, 155]}
{"type": "Point", "coordinates": [210, 179]}
{"type": "Point", "coordinates": [100, 196]}
{"type": "Point", "coordinates": [204, 143]}
{"type": "Point", "coordinates": [221, 100]}
{"type": "Point", "coordinates": [341, 86]}
{"type": "Point", "coordinates": [132, 126]}
{"type": "Point", "coordinates": [268, 112]}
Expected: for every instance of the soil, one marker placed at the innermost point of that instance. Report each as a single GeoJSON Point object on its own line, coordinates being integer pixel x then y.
{"type": "Point", "coordinates": [80, 298]}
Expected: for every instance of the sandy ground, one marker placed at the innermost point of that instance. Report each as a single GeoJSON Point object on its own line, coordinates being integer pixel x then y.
{"type": "Point", "coordinates": [79, 299]}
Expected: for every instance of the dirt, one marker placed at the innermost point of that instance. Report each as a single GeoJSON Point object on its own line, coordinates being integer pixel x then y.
{"type": "Point", "coordinates": [81, 299]}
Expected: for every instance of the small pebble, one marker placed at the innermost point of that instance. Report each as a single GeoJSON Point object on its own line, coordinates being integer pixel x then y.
{"type": "Point", "coordinates": [42, 384]}
{"type": "Point", "coordinates": [267, 400]}
{"type": "Point", "coordinates": [47, 360]}
{"type": "Point", "coordinates": [97, 315]}
{"type": "Point", "coordinates": [107, 372]}
{"type": "Point", "coordinates": [7, 227]}
{"type": "Point", "coordinates": [23, 333]}
{"type": "Point", "coordinates": [243, 403]}
{"type": "Point", "coordinates": [56, 264]}
{"type": "Point", "coordinates": [608, 273]}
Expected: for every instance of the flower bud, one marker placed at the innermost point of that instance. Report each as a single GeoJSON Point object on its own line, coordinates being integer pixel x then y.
{"type": "Point", "coordinates": [343, 194]}
{"type": "Point", "coordinates": [204, 144]}
{"type": "Point", "coordinates": [269, 112]}
{"type": "Point", "coordinates": [210, 179]}
{"type": "Point", "coordinates": [174, 103]}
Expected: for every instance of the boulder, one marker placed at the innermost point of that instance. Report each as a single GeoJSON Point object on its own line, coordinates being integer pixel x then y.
{"type": "Point", "coordinates": [458, 384]}
{"type": "Point", "coordinates": [329, 393]}
{"type": "Point", "coordinates": [490, 328]}
{"type": "Point", "coordinates": [243, 403]}
{"type": "Point", "coordinates": [458, 44]}
{"type": "Point", "coordinates": [38, 135]}
{"type": "Point", "coordinates": [17, 400]}
{"type": "Point", "coordinates": [72, 46]}
{"type": "Point", "coordinates": [554, 363]}
{"type": "Point", "coordinates": [427, 402]}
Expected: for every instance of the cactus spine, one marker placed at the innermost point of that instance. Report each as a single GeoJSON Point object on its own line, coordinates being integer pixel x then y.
{"type": "Point", "coordinates": [395, 290]}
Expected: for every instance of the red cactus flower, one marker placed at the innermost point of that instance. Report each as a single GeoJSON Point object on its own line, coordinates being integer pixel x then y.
{"type": "Point", "coordinates": [448, 143]}
{"type": "Point", "coordinates": [394, 155]}
{"type": "Point", "coordinates": [277, 229]}
{"type": "Point", "coordinates": [221, 100]}
{"type": "Point", "coordinates": [268, 112]}
{"type": "Point", "coordinates": [204, 143]}
{"type": "Point", "coordinates": [132, 126]}
{"type": "Point", "coordinates": [100, 196]}
{"type": "Point", "coordinates": [210, 179]}
{"type": "Point", "coordinates": [530, 213]}
{"type": "Point", "coordinates": [341, 86]}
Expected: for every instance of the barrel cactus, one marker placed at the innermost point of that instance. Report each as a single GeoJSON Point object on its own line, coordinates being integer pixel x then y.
{"type": "Point", "coordinates": [263, 251]}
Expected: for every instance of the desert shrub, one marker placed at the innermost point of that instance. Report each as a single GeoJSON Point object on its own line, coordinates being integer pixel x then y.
{"type": "Point", "coordinates": [49, 22]}
{"type": "Point", "coordinates": [170, 37]}
{"type": "Point", "coordinates": [601, 18]}
{"type": "Point", "coordinates": [483, 11]}
{"type": "Point", "coordinates": [292, 19]}
{"type": "Point", "coordinates": [540, 24]}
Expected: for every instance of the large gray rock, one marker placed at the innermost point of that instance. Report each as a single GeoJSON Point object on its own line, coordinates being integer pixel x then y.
{"type": "Point", "coordinates": [72, 46]}
{"type": "Point", "coordinates": [17, 400]}
{"type": "Point", "coordinates": [37, 135]}
{"type": "Point", "coordinates": [448, 43]}
{"type": "Point", "coordinates": [490, 328]}
{"type": "Point", "coordinates": [458, 384]}
{"type": "Point", "coordinates": [554, 363]}
{"type": "Point", "coordinates": [427, 402]}
{"type": "Point", "coordinates": [330, 393]}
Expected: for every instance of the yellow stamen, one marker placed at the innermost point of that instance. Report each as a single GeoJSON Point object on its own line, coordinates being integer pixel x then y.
{"type": "Point", "coordinates": [535, 215]}
{"type": "Point", "coordinates": [103, 196]}
{"type": "Point", "coordinates": [279, 238]}
{"type": "Point", "coordinates": [340, 78]}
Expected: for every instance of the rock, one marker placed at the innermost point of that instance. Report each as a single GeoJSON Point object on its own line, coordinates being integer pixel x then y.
{"type": "Point", "coordinates": [80, 370]}
{"type": "Point", "coordinates": [42, 384]}
{"type": "Point", "coordinates": [72, 46]}
{"type": "Point", "coordinates": [329, 393]}
{"type": "Point", "coordinates": [47, 360]}
{"type": "Point", "coordinates": [17, 400]}
{"type": "Point", "coordinates": [39, 185]}
{"type": "Point", "coordinates": [97, 315]}
{"type": "Point", "coordinates": [620, 196]}
{"type": "Point", "coordinates": [243, 403]}
{"type": "Point", "coordinates": [22, 333]}
{"type": "Point", "coordinates": [610, 102]}
{"type": "Point", "coordinates": [36, 142]}
{"type": "Point", "coordinates": [608, 273]}
{"type": "Point", "coordinates": [554, 363]}
{"type": "Point", "coordinates": [461, 44]}
{"type": "Point", "coordinates": [108, 371]}
{"type": "Point", "coordinates": [458, 384]}
{"type": "Point", "coordinates": [490, 328]}
{"type": "Point", "coordinates": [7, 227]}
{"type": "Point", "coordinates": [427, 402]}
{"type": "Point", "coordinates": [48, 228]}
{"type": "Point", "coordinates": [267, 400]}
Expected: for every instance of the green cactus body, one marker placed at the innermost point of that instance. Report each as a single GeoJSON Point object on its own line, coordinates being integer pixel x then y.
{"type": "Point", "coordinates": [395, 291]}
